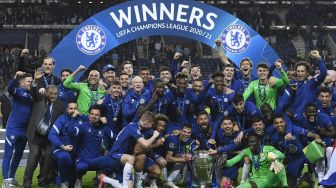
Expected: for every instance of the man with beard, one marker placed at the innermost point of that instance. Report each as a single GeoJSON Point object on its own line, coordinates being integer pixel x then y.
{"type": "Point", "coordinates": [19, 89]}
{"type": "Point", "coordinates": [263, 90]}
{"type": "Point", "coordinates": [127, 67]}
{"type": "Point", "coordinates": [225, 140]}
{"type": "Point", "coordinates": [63, 143]}
{"type": "Point", "coordinates": [64, 94]}
{"type": "Point", "coordinates": [201, 130]}
{"type": "Point", "coordinates": [88, 92]}
{"type": "Point", "coordinates": [131, 100]}
{"type": "Point", "coordinates": [318, 123]}
{"type": "Point", "coordinates": [293, 148]}
{"type": "Point", "coordinates": [217, 98]}
{"type": "Point", "coordinates": [263, 158]}
{"type": "Point", "coordinates": [195, 72]}
{"type": "Point", "coordinates": [112, 108]}
{"type": "Point", "coordinates": [144, 74]}
{"type": "Point", "coordinates": [155, 101]}
{"type": "Point", "coordinates": [124, 81]}
{"type": "Point", "coordinates": [178, 152]}
{"type": "Point", "coordinates": [324, 103]}
{"type": "Point", "coordinates": [109, 74]}
{"type": "Point", "coordinates": [306, 88]}
{"type": "Point", "coordinates": [89, 136]}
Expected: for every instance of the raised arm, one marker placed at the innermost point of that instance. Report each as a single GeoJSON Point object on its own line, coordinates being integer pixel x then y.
{"type": "Point", "coordinates": [68, 83]}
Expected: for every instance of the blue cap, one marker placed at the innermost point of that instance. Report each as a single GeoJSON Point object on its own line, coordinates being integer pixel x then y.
{"type": "Point", "coordinates": [109, 67]}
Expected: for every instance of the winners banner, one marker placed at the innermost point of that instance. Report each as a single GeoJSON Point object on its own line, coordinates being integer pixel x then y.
{"type": "Point", "coordinates": [184, 18]}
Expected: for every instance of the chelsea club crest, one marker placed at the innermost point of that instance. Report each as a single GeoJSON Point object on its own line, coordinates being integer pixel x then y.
{"type": "Point", "coordinates": [236, 38]}
{"type": "Point", "coordinates": [91, 39]}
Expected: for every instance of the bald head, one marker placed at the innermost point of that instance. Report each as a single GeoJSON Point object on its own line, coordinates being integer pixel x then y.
{"type": "Point", "coordinates": [93, 78]}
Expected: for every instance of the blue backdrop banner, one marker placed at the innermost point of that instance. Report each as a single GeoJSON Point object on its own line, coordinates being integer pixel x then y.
{"type": "Point", "coordinates": [185, 18]}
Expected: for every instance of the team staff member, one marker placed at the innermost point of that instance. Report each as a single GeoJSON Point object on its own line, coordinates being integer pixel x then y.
{"type": "Point", "coordinates": [63, 143]}
{"type": "Point", "coordinates": [16, 126]}
{"type": "Point", "coordinates": [131, 100]}
{"type": "Point", "coordinates": [307, 88]}
{"type": "Point", "coordinates": [46, 109]}
{"type": "Point", "coordinates": [88, 93]}
{"type": "Point", "coordinates": [64, 94]}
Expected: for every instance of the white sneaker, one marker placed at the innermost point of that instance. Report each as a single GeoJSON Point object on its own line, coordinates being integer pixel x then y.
{"type": "Point", "coordinates": [171, 184]}
{"type": "Point", "coordinates": [78, 183]}
{"type": "Point", "coordinates": [153, 184]}
{"type": "Point", "coordinates": [65, 185]}
{"type": "Point", "coordinates": [6, 184]}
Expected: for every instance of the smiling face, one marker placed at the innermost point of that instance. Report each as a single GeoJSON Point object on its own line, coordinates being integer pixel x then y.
{"type": "Point", "coordinates": [124, 80]}
{"type": "Point", "coordinates": [48, 66]}
{"type": "Point", "coordinates": [185, 134]}
{"type": "Point", "coordinates": [93, 77]}
{"type": "Point", "coordinates": [262, 73]}
{"type": "Point", "coordinates": [301, 73]}
{"type": "Point", "coordinates": [25, 83]}
{"type": "Point", "coordinates": [280, 124]}
{"type": "Point", "coordinates": [94, 116]}
{"type": "Point", "coordinates": [109, 75]}
{"type": "Point", "coordinates": [65, 75]}
{"type": "Point", "coordinates": [137, 84]}
{"type": "Point", "coordinates": [245, 67]}
{"type": "Point", "coordinates": [181, 85]}
{"type": "Point", "coordinates": [144, 74]}
{"type": "Point", "coordinates": [324, 98]}
{"type": "Point", "coordinates": [128, 69]}
{"type": "Point", "coordinates": [160, 125]}
{"type": "Point", "coordinates": [195, 73]}
{"type": "Point", "coordinates": [258, 127]}
{"type": "Point", "coordinates": [197, 86]}
{"type": "Point", "coordinates": [228, 73]}
{"type": "Point", "coordinates": [203, 121]}
{"type": "Point", "coordinates": [219, 83]}
{"type": "Point", "coordinates": [115, 90]}
{"type": "Point", "coordinates": [165, 76]}
{"type": "Point", "coordinates": [52, 94]}
{"type": "Point", "coordinates": [227, 126]}
{"type": "Point", "coordinates": [310, 113]}
{"type": "Point", "coordinates": [239, 107]}
{"type": "Point", "coordinates": [253, 143]}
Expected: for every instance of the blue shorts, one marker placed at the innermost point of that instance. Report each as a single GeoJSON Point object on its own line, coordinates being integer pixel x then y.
{"type": "Point", "coordinates": [154, 156]}
{"type": "Point", "coordinates": [148, 163]}
{"type": "Point", "coordinates": [295, 164]}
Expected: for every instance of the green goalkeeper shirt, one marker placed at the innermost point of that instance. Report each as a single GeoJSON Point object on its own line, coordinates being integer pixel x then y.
{"type": "Point", "coordinates": [265, 93]}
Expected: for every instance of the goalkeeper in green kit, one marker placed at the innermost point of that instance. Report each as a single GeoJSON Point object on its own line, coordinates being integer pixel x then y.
{"type": "Point", "coordinates": [267, 171]}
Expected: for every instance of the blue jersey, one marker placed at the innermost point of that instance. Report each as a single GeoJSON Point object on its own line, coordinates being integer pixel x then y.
{"type": "Point", "coordinates": [66, 95]}
{"type": "Point", "coordinates": [237, 86]}
{"type": "Point", "coordinates": [306, 90]}
{"type": "Point", "coordinates": [329, 110]}
{"type": "Point", "coordinates": [180, 111]}
{"type": "Point", "coordinates": [130, 106]}
{"type": "Point", "coordinates": [226, 142]}
{"type": "Point", "coordinates": [113, 113]}
{"type": "Point", "coordinates": [59, 133]}
{"type": "Point", "coordinates": [126, 139]}
{"type": "Point", "coordinates": [179, 148]}
{"type": "Point", "coordinates": [202, 136]}
{"type": "Point", "coordinates": [160, 106]}
{"type": "Point", "coordinates": [90, 139]}
{"type": "Point", "coordinates": [149, 86]}
{"type": "Point", "coordinates": [218, 101]}
{"type": "Point", "coordinates": [243, 119]}
{"type": "Point", "coordinates": [21, 109]}
{"type": "Point", "coordinates": [290, 147]}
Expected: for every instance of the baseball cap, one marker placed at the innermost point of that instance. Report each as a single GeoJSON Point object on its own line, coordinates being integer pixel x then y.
{"type": "Point", "coordinates": [109, 67]}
